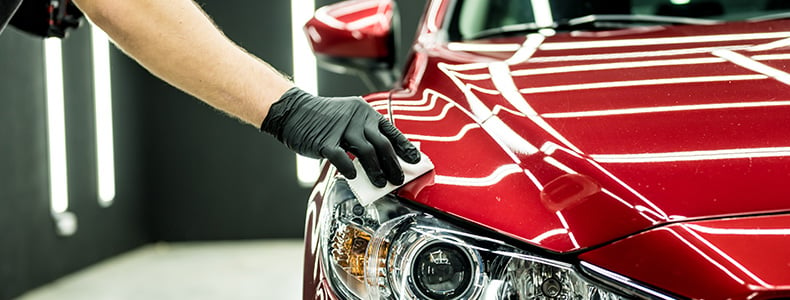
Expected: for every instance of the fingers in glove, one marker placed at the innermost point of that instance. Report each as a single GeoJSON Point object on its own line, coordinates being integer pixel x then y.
{"type": "Point", "coordinates": [403, 147]}
{"type": "Point", "coordinates": [386, 154]}
{"type": "Point", "coordinates": [354, 141]}
{"type": "Point", "coordinates": [338, 157]}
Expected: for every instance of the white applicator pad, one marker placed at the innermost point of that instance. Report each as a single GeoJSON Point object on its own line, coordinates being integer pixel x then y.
{"type": "Point", "coordinates": [366, 192]}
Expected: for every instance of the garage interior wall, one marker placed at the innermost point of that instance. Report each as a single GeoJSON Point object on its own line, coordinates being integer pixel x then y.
{"type": "Point", "coordinates": [30, 251]}
{"type": "Point", "coordinates": [184, 171]}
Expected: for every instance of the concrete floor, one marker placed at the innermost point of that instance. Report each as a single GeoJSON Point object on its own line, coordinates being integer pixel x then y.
{"type": "Point", "coordinates": [211, 270]}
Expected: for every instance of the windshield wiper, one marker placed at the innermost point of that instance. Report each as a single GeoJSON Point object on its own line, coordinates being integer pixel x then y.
{"type": "Point", "coordinates": [591, 22]}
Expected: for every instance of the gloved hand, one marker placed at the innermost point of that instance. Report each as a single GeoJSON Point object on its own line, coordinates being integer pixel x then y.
{"type": "Point", "coordinates": [328, 127]}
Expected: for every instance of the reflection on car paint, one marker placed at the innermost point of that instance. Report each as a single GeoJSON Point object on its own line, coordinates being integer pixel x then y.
{"type": "Point", "coordinates": [674, 126]}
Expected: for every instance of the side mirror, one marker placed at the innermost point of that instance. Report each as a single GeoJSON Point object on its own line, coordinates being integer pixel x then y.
{"type": "Point", "coordinates": [357, 37]}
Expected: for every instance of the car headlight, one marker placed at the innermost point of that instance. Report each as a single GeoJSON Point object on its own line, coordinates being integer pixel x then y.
{"type": "Point", "coordinates": [389, 251]}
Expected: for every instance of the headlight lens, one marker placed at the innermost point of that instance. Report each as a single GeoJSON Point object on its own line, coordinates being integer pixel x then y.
{"type": "Point", "coordinates": [388, 251]}
{"type": "Point", "coordinates": [442, 270]}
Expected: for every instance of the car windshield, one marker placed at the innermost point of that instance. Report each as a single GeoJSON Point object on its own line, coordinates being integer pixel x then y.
{"type": "Point", "coordinates": [475, 19]}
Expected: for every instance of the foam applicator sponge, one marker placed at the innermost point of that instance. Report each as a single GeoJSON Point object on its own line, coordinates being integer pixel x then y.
{"type": "Point", "coordinates": [366, 192]}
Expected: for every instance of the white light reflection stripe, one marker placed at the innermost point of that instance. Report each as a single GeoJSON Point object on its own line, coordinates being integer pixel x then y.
{"type": "Point", "coordinates": [438, 117]}
{"type": "Point", "coordinates": [500, 73]}
{"type": "Point", "coordinates": [528, 49]}
{"type": "Point", "coordinates": [548, 234]}
{"type": "Point", "coordinates": [464, 67]}
{"type": "Point", "coordinates": [476, 47]}
{"type": "Point", "coordinates": [692, 155]}
{"type": "Point", "coordinates": [728, 258]}
{"type": "Point", "coordinates": [480, 111]}
{"type": "Point", "coordinates": [644, 110]}
{"type": "Point", "coordinates": [56, 126]}
{"type": "Point", "coordinates": [770, 46]}
{"type": "Point", "coordinates": [618, 65]}
{"type": "Point", "coordinates": [613, 195]}
{"type": "Point", "coordinates": [645, 82]}
{"type": "Point", "coordinates": [740, 231]}
{"type": "Point", "coordinates": [750, 64]}
{"type": "Point", "coordinates": [483, 90]}
{"type": "Point", "coordinates": [427, 93]}
{"type": "Point", "coordinates": [639, 54]}
{"type": "Point", "coordinates": [102, 97]}
{"type": "Point", "coordinates": [772, 57]}
{"type": "Point", "coordinates": [551, 161]}
{"type": "Point", "coordinates": [665, 41]}
{"type": "Point", "coordinates": [470, 77]}
{"type": "Point", "coordinates": [343, 9]}
{"type": "Point", "coordinates": [534, 179]}
{"type": "Point", "coordinates": [431, 105]}
{"type": "Point", "coordinates": [649, 214]}
{"type": "Point", "coordinates": [457, 137]}
{"type": "Point", "coordinates": [348, 7]}
{"type": "Point", "coordinates": [364, 22]}
{"type": "Point", "coordinates": [567, 229]}
{"type": "Point", "coordinates": [655, 209]}
{"type": "Point", "coordinates": [509, 137]}
{"type": "Point", "coordinates": [499, 108]}
{"type": "Point", "coordinates": [434, 11]}
{"type": "Point", "coordinates": [541, 9]}
{"type": "Point", "coordinates": [704, 255]}
{"type": "Point", "coordinates": [305, 75]}
{"type": "Point", "coordinates": [495, 177]}
{"type": "Point", "coordinates": [643, 210]}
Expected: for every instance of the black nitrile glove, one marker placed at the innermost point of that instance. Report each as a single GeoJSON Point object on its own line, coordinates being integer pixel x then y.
{"type": "Point", "coordinates": [321, 127]}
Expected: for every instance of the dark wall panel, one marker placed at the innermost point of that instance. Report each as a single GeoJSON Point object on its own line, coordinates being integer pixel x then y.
{"type": "Point", "coordinates": [184, 171]}
{"type": "Point", "coordinates": [210, 176]}
{"type": "Point", "coordinates": [31, 253]}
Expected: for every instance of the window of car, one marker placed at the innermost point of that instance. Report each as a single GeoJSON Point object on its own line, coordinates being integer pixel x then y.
{"type": "Point", "coordinates": [475, 19]}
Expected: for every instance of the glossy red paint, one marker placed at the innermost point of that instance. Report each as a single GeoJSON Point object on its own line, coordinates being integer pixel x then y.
{"type": "Point", "coordinates": [314, 279]}
{"type": "Point", "coordinates": [743, 258]}
{"type": "Point", "coordinates": [677, 132]}
{"type": "Point", "coordinates": [352, 29]}
{"type": "Point", "coordinates": [668, 125]}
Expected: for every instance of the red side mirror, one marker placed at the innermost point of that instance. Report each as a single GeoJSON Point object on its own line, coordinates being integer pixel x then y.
{"type": "Point", "coordinates": [353, 29]}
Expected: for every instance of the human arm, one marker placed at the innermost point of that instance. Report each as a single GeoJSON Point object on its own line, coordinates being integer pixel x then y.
{"type": "Point", "coordinates": [177, 42]}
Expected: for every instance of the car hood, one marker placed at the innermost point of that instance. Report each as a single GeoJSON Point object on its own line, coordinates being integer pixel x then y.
{"type": "Point", "coordinates": [578, 139]}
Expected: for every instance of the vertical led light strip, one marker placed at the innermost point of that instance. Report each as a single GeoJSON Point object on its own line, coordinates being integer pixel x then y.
{"type": "Point", "coordinates": [102, 95]}
{"type": "Point", "coordinates": [56, 126]}
{"type": "Point", "coordinates": [305, 77]}
{"type": "Point", "coordinates": [65, 221]}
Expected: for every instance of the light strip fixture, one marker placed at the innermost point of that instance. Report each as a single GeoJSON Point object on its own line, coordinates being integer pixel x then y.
{"type": "Point", "coordinates": [102, 95]}
{"type": "Point", "coordinates": [56, 126]}
{"type": "Point", "coordinates": [305, 77]}
{"type": "Point", "coordinates": [65, 221]}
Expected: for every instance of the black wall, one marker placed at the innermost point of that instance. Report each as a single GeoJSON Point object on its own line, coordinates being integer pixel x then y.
{"type": "Point", "coordinates": [183, 170]}
{"type": "Point", "coordinates": [30, 252]}
{"type": "Point", "coordinates": [210, 176]}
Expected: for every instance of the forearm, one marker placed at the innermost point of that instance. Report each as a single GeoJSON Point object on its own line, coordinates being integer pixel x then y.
{"type": "Point", "coordinates": [177, 42]}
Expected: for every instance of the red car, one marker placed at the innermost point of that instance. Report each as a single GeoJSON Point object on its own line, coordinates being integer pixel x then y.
{"type": "Point", "coordinates": [583, 149]}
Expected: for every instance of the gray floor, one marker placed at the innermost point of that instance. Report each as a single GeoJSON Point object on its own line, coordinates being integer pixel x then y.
{"type": "Point", "coordinates": [215, 270]}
